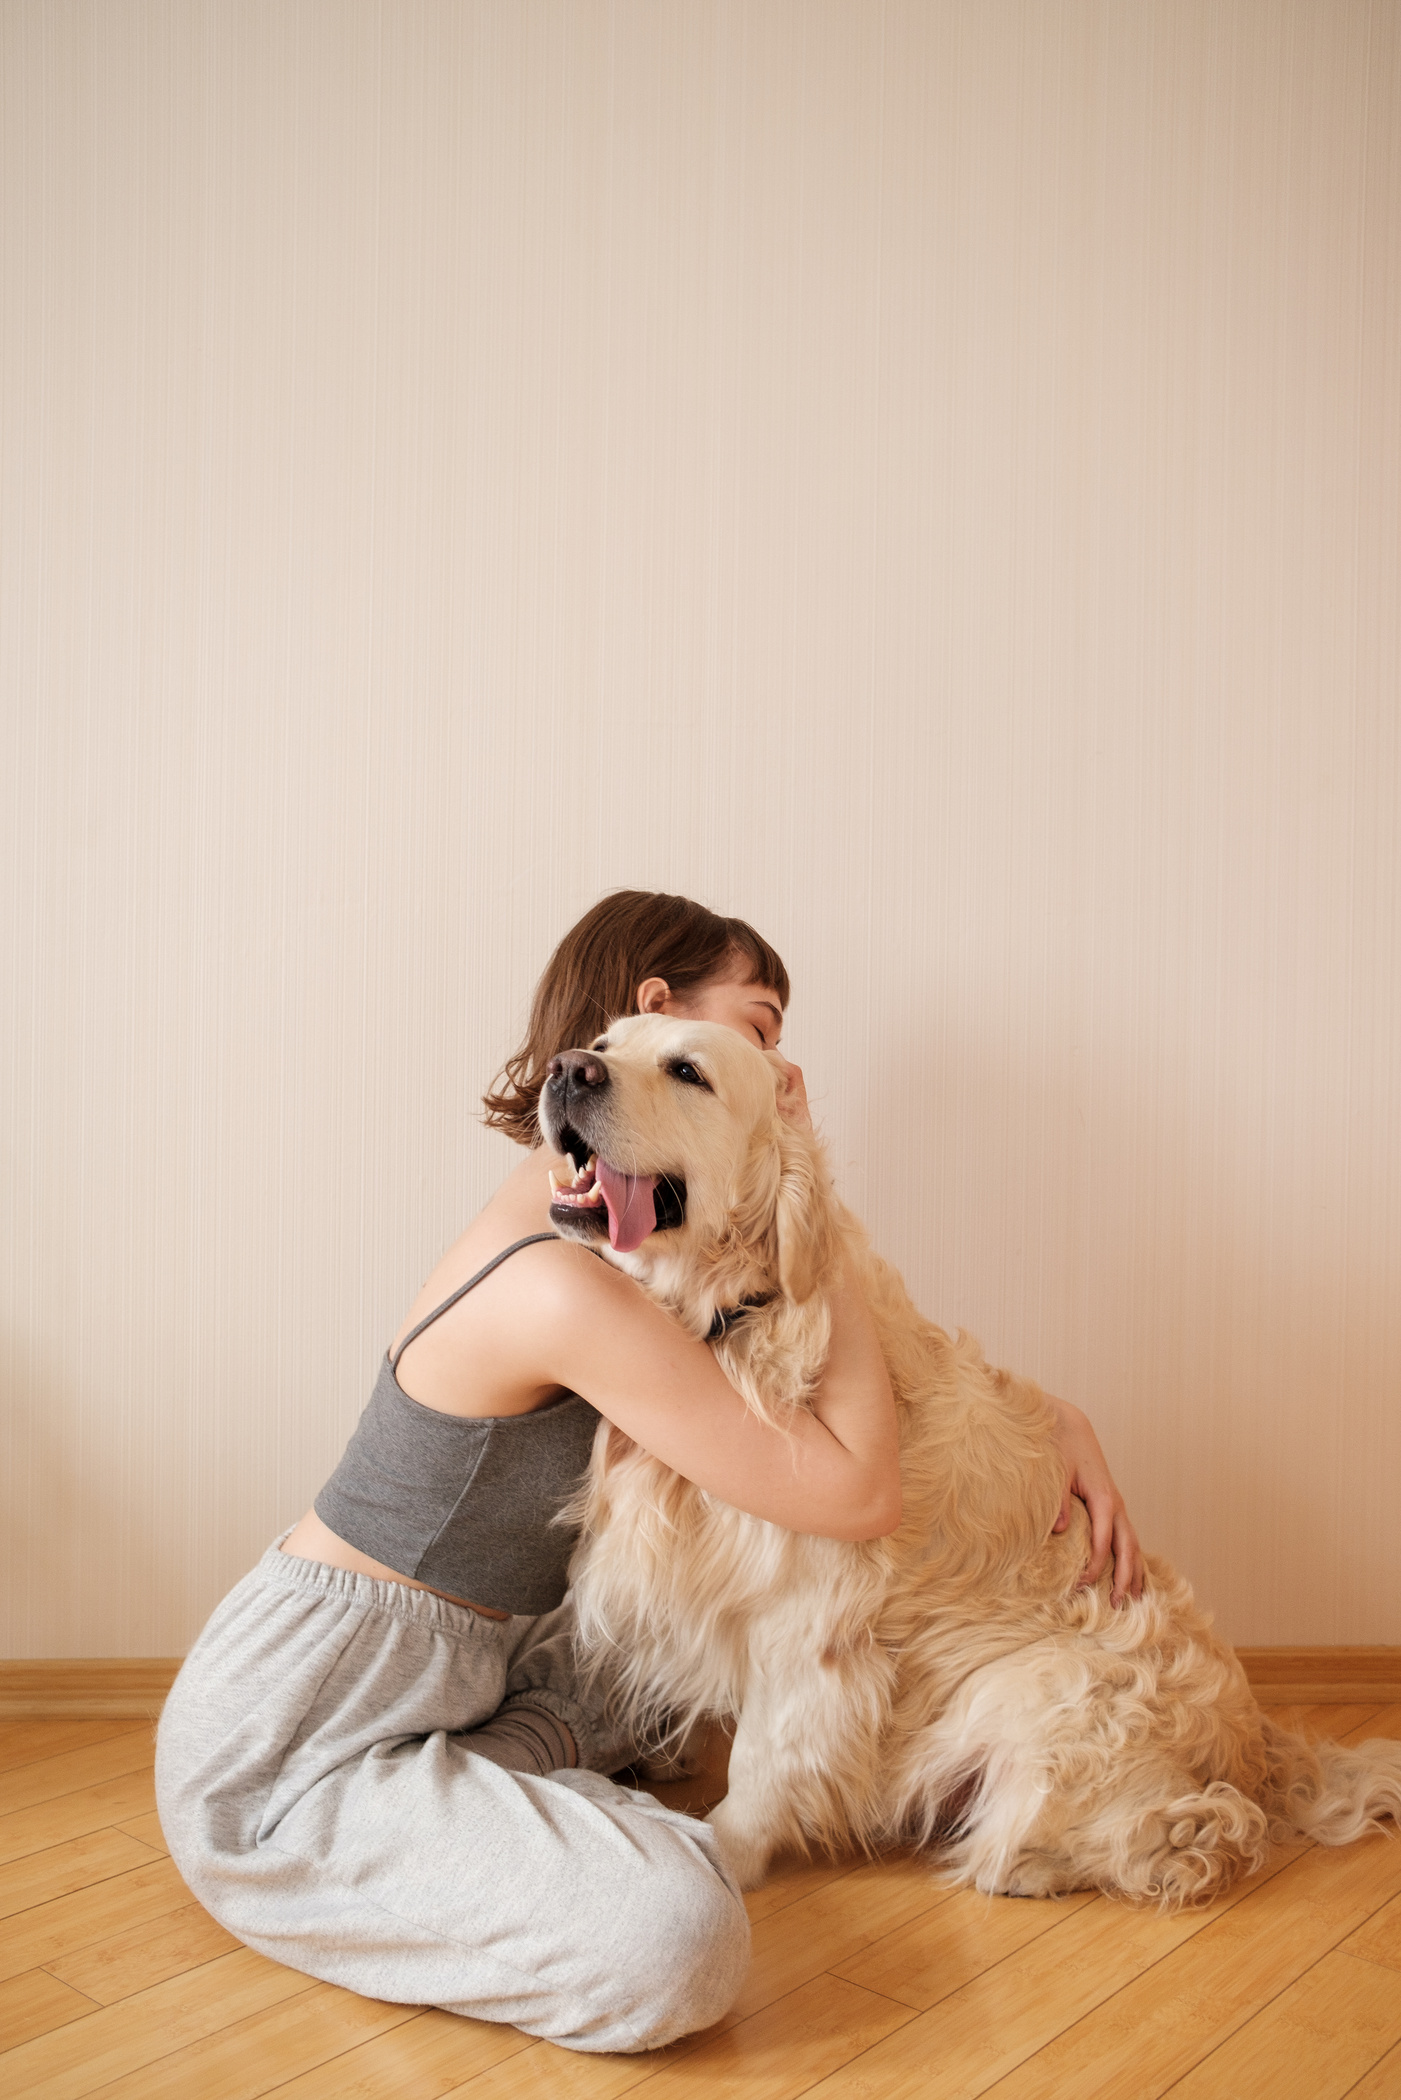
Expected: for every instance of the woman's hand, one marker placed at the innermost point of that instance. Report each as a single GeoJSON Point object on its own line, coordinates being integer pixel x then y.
{"type": "Point", "coordinates": [793, 1101]}
{"type": "Point", "coordinates": [1088, 1477]}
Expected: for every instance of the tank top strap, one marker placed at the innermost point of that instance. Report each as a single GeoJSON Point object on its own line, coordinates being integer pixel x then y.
{"type": "Point", "coordinates": [463, 1288]}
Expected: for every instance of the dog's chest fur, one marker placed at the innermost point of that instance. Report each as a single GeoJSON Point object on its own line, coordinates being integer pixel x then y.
{"type": "Point", "coordinates": [705, 1603]}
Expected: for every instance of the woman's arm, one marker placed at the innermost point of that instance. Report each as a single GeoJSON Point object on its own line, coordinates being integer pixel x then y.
{"type": "Point", "coordinates": [834, 1472]}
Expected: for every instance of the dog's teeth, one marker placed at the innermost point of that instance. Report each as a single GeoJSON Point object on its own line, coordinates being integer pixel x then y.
{"type": "Point", "coordinates": [592, 1163]}
{"type": "Point", "coordinates": [554, 1182]}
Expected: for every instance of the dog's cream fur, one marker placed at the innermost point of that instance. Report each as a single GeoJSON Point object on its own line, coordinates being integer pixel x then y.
{"type": "Point", "coordinates": [949, 1685]}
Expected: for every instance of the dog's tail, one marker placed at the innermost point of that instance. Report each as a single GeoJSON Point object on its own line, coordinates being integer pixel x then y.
{"type": "Point", "coordinates": [1329, 1793]}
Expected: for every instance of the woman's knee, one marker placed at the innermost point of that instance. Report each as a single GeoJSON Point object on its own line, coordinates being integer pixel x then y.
{"type": "Point", "coordinates": [684, 1963]}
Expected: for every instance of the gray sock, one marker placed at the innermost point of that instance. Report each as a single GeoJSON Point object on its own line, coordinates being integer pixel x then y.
{"type": "Point", "coordinates": [527, 1739]}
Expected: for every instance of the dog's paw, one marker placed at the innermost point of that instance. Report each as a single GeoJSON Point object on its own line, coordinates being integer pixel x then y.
{"type": "Point", "coordinates": [663, 1767]}
{"type": "Point", "coordinates": [746, 1855]}
{"type": "Point", "coordinates": [1035, 1876]}
{"type": "Point", "coordinates": [681, 1753]}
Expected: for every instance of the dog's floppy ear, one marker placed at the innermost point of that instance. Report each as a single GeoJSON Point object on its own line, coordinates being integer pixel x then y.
{"type": "Point", "coordinates": [803, 1221]}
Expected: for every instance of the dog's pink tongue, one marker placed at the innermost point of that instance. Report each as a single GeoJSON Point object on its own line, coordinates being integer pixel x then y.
{"type": "Point", "coordinates": [632, 1211]}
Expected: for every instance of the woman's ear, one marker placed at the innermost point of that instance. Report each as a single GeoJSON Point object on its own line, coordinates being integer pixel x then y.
{"type": "Point", "coordinates": [652, 995]}
{"type": "Point", "coordinates": [803, 1221]}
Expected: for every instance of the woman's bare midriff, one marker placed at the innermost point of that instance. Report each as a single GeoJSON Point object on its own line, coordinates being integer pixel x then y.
{"type": "Point", "coordinates": [313, 1540]}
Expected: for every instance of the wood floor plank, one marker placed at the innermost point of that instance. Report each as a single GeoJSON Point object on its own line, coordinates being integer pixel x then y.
{"type": "Point", "coordinates": [545, 2072]}
{"type": "Point", "coordinates": [33, 2003]}
{"type": "Point", "coordinates": [83, 1765]}
{"type": "Point", "coordinates": [74, 1815]}
{"type": "Point", "coordinates": [259, 2053]}
{"type": "Point", "coordinates": [1384, 1721]}
{"type": "Point", "coordinates": [1136, 2043]}
{"type": "Point", "coordinates": [134, 2036]}
{"type": "Point", "coordinates": [133, 1960]}
{"type": "Point", "coordinates": [430, 2055]}
{"type": "Point", "coordinates": [935, 1955]}
{"type": "Point", "coordinates": [147, 1829]}
{"type": "Point", "coordinates": [1383, 2081]}
{"type": "Point", "coordinates": [984, 2031]}
{"type": "Point", "coordinates": [38, 1878]}
{"type": "Point", "coordinates": [1332, 1722]}
{"type": "Point", "coordinates": [792, 1880]}
{"type": "Point", "coordinates": [1312, 2042]}
{"type": "Point", "coordinates": [783, 2050]}
{"type": "Point", "coordinates": [37, 1937]}
{"type": "Point", "coordinates": [30, 1742]}
{"type": "Point", "coordinates": [1379, 1939]}
{"type": "Point", "coordinates": [794, 1944]}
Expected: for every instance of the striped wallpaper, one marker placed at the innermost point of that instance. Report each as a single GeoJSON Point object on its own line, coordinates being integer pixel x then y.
{"type": "Point", "coordinates": [922, 474]}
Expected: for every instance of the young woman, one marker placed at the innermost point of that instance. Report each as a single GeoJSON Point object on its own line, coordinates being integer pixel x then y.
{"type": "Point", "coordinates": [376, 1764]}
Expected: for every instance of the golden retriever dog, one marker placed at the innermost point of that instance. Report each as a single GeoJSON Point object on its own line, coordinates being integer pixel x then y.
{"type": "Point", "coordinates": [950, 1686]}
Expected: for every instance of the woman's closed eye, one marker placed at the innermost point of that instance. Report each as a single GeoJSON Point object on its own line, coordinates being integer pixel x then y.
{"type": "Point", "coordinates": [770, 1029]}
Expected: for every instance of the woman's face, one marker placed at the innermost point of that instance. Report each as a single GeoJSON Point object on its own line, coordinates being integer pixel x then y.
{"type": "Point", "coordinates": [752, 1010]}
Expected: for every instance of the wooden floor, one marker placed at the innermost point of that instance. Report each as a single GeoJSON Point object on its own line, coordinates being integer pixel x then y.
{"type": "Point", "coordinates": [867, 1980]}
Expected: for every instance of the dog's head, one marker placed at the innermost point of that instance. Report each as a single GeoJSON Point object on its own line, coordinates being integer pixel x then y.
{"type": "Point", "coordinates": [685, 1171]}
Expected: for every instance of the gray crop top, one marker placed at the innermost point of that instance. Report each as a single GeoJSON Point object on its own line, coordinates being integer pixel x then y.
{"type": "Point", "coordinates": [463, 1503]}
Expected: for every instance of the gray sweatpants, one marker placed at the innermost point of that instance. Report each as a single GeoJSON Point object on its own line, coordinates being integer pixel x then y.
{"type": "Point", "coordinates": [317, 1796]}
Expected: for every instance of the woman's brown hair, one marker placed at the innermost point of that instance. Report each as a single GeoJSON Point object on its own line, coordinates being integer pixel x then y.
{"type": "Point", "coordinates": [593, 976]}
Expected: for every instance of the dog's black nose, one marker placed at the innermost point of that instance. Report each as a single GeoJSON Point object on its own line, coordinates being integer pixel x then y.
{"type": "Point", "coordinates": [574, 1070]}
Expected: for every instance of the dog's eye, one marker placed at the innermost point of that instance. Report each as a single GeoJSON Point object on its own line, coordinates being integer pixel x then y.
{"type": "Point", "coordinates": [601, 1044]}
{"type": "Point", "coordinates": [689, 1076]}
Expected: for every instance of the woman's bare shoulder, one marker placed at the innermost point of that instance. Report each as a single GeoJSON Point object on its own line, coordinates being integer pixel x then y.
{"type": "Point", "coordinates": [494, 1336]}
{"type": "Point", "coordinates": [519, 1207]}
{"type": "Point", "coordinates": [524, 1196]}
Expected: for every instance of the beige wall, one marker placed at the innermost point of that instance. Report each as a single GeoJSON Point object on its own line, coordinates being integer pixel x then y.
{"type": "Point", "coordinates": [923, 476]}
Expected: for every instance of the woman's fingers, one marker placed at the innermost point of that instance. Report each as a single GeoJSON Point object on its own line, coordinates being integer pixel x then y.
{"type": "Point", "coordinates": [1111, 1529]}
{"type": "Point", "coordinates": [1111, 1533]}
{"type": "Point", "coordinates": [1101, 1508]}
{"type": "Point", "coordinates": [793, 1101]}
{"type": "Point", "coordinates": [1128, 1560]}
{"type": "Point", "coordinates": [1064, 1518]}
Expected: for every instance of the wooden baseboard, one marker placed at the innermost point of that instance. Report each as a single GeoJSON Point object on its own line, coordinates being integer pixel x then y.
{"type": "Point", "coordinates": [1324, 1676]}
{"type": "Point", "coordinates": [83, 1689]}
{"type": "Point", "coordinates": [134, 1687]}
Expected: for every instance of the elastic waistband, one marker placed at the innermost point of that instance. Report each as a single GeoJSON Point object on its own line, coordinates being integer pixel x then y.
{"type": "Point", "coordinates": [291, 1571]}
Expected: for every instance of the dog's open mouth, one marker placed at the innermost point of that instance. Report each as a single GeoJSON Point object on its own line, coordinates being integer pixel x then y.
{"type": "Point", "coordinates": [601, 1198]}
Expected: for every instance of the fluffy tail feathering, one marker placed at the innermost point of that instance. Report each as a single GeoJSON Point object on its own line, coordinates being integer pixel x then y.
{"type": "Point", "coordinates": [1329, 1793]}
